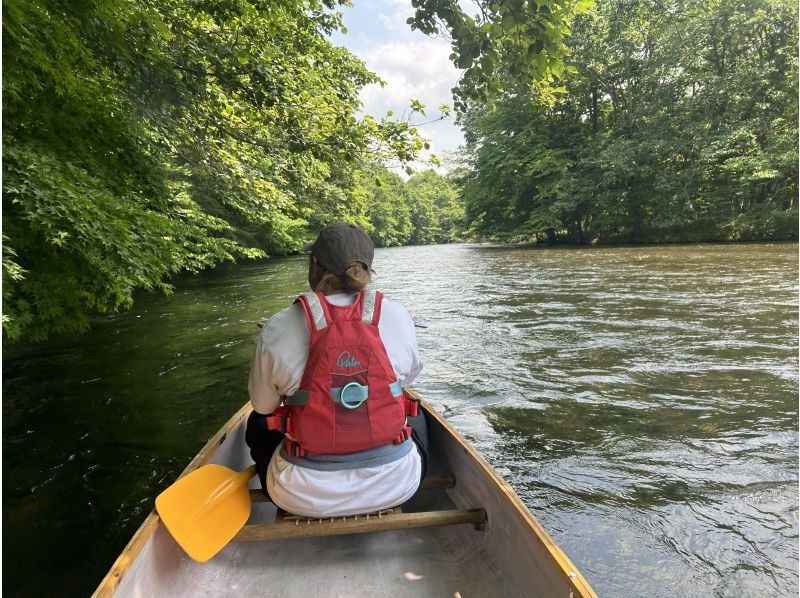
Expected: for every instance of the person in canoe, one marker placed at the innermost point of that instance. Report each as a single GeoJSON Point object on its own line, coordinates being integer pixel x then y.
{"type": "Point", "coordinates": [332, 433]}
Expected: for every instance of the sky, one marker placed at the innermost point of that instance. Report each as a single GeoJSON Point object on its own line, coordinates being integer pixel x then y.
{"type": "Point", "coordinates": [413, 65]}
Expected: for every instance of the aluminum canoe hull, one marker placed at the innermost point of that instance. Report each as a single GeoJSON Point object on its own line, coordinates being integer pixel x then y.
{"type": "Point", "coordinates": [511, 554]}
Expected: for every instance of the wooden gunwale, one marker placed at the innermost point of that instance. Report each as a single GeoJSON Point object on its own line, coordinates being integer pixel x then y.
{"type": "Point", "coordinates": [126, 558]}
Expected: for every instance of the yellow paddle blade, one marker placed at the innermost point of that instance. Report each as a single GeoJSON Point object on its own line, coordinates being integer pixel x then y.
{"type": "Point", "coordinates": [206, 508]}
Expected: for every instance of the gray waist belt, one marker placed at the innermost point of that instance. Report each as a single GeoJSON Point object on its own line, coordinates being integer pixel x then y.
{"type": "Point", "coordinates": [368, 458]}
{"type": "Point", "coordinates": [350, 395]}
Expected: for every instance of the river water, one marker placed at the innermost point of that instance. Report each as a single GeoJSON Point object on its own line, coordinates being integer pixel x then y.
{"type": "Point", "coordinates": [642, 401]}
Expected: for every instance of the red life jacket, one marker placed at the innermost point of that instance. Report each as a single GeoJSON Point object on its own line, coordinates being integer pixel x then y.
{"type": "Point", "coordinates": [349, 398]}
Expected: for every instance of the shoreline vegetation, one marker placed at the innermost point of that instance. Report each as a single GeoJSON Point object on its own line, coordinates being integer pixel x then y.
{"type": "Point", "coordinates": [142, 141]}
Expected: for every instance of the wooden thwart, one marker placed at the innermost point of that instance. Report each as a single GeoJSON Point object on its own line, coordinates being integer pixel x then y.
{"type": "Point", "coordinates": [284, 528]}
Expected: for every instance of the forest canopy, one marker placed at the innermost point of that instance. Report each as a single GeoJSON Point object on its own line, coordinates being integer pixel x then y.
{"type": "Point", "coordinates": [145, 138]}
{"type": "Point", "coordinates": [142, 139]}
{"type": "Point", "coordinates": [678, 122]}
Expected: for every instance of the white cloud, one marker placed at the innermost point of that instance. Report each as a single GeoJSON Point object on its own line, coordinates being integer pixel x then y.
{"type": "Point", "coordinates": [419, 70]}
{"type": "Point", "coordinates": [394, 20]}
{"type": "Point", "coordinates": [413, 66]}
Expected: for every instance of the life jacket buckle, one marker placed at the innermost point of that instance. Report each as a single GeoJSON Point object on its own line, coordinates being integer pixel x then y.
{"type": "Point", "coordinates": [277, 420]}
{"type": "Point", "coordinates": [357, 389]}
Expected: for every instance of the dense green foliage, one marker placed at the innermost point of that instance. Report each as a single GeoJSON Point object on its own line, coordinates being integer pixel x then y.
{"type": "Point", "coordinates": [679, 124]}
{"type": "Point", "coordinates": [144, 138]}
{"type": "Point", "coordinates": [522, 39]}
{"type": "Point", "coordinates": [421, 211]}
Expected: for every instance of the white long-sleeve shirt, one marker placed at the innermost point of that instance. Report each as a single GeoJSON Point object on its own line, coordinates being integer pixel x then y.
{"type": "Point", "coordinates": [279, 361]}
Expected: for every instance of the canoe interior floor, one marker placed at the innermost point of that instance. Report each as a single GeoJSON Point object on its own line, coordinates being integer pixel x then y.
{"type": "Point", "coordinates": [442, 561]}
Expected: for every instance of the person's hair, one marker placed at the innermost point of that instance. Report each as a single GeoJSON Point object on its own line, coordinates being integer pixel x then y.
{"type": "Point", "coordinates": [355, 278]}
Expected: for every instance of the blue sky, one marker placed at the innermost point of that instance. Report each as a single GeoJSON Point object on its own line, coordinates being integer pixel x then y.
{"type": "Point", "coordinates": [413, 66]}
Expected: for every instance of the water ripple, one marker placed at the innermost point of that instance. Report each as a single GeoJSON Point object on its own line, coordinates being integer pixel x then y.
{"type": "Point", "coordinates": [643, 401]}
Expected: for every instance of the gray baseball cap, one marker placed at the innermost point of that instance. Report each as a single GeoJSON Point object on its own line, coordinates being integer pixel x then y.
{"type": "Point", "coordinates": [339, 244]}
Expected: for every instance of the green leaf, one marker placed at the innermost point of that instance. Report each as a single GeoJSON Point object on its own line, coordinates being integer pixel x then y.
{"type": "Point", "coordinates": [163, 29]}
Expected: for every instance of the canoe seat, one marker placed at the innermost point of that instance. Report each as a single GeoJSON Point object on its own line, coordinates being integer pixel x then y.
{"type": "Point", "coordinates": [292, 526]}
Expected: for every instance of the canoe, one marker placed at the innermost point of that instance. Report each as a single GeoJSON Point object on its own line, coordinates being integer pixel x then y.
{"type": "Point", "coordinates": [464, 533]}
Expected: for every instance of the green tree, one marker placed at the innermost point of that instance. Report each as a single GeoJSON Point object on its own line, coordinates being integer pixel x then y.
{"type": "Point", "coordinates": [142, 139]}
{"type": "Point", "coordinates": [436, 213]}
{"type": "Point", "coordinates": [524, 40]}
{"type": "Point", "coordinates": [388, 212]}
{"type": "Point", "coordinates": [679, 122]}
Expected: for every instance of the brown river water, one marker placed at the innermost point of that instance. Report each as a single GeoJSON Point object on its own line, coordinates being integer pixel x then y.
{"type": "Point", "coordinates": [643, 402]}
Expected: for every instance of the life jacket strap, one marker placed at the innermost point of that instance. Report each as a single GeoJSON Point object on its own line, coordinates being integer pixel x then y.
{"type": "Point", "coordinates": [315, 312]}
{"type": "Point", "coordinates": [372, 307]}
{"type": "Point", "coordinates": [293, 448]}
{"type": "Point", "coordinates": [380, 455]}
{"type": "Point", "coordinates": [411, 405]}
{"type": "Point", "coordinates": [354, 394]}
{"type": "Point", "coordinates": [276, 421]}
{"type": "Point", "coordinates": [318, 314]}
{"type": "Point", "coordinates": [404, 435]}
{"type": "Point", "coordinates": [280, 420]}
